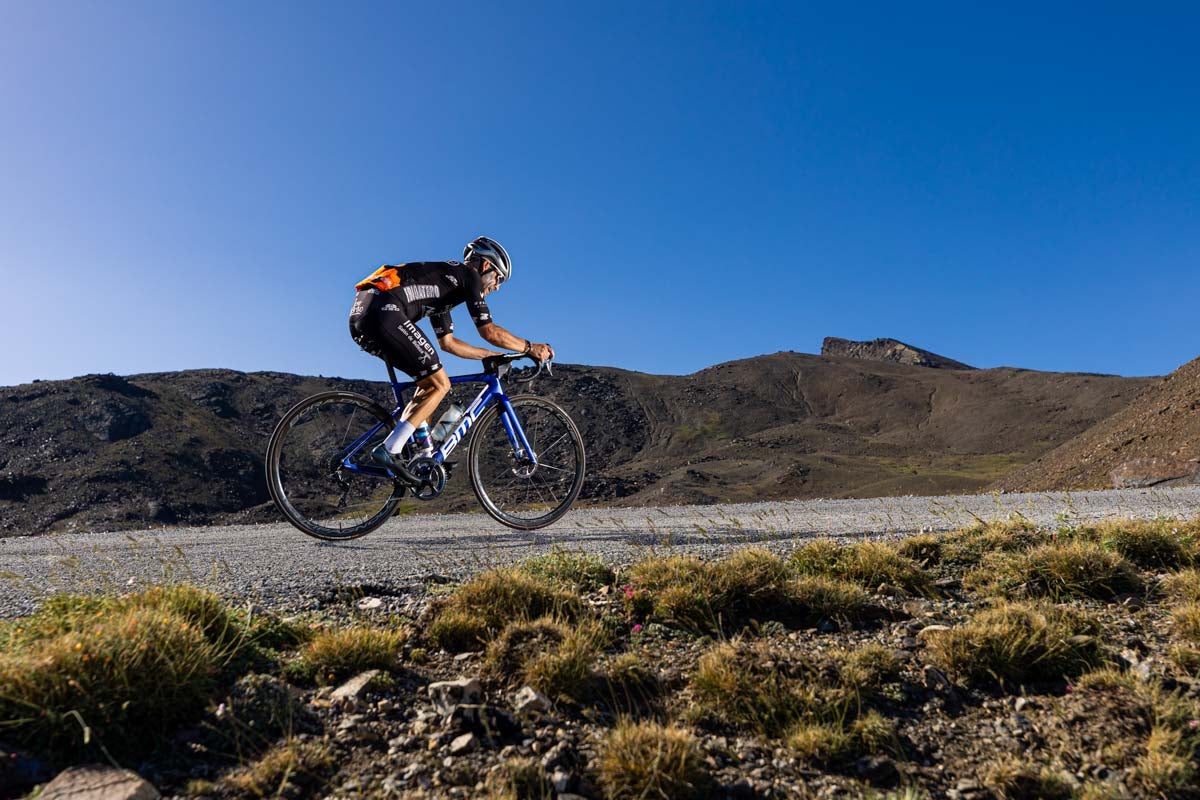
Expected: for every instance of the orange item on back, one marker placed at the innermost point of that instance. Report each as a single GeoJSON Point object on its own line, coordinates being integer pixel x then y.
{"type": "Point", "coordinates": [385, 278]}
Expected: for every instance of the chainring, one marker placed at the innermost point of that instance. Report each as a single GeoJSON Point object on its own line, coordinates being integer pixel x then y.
{"type": "Point", "coordinates": [432, 476]}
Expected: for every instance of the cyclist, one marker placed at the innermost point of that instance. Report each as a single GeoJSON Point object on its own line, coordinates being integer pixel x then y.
{"type": "Point", "coordinates": [392, 299]}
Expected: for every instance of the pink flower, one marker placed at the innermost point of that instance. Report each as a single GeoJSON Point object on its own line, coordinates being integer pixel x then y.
{"type": "Point", "coordinates": [1070, 688]}
{"type": "Point", "coordinates": [1194, 723]}
{"type": "Point", "coordinates": [628, 590]}
{"type": "Point", "coordinates": [638, 629]}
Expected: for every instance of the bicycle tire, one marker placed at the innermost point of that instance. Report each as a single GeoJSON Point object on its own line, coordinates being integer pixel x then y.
{"type": "Point", "coordinates": [276, 455]}
{"type": "Point", "coordinates": [480, 442]}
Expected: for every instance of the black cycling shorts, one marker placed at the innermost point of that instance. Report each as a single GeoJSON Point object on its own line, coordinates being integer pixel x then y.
{"type": "Point", "coordinates": [384, 330]}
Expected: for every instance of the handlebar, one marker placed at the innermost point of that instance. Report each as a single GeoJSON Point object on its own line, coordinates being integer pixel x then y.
{"type": "Point", "coordinates": [500, 366]}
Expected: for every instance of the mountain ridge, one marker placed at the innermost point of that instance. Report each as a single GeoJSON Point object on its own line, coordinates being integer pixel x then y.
{"type": "Point", "coordinates": [164, 448]}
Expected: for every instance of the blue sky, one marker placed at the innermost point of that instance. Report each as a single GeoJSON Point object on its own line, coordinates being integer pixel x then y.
{"type": "Point", "coordinates": [200, 184]}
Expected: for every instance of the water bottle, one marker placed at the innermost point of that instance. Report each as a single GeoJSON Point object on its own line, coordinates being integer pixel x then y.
{"type": "Point", "coordinates": [421, 441]}
{"type": "Point", "coordinates": [446, 422]}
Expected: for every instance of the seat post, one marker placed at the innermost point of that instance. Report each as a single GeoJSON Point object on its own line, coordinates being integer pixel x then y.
{"type": "Point", "coordinates": [394, 383]}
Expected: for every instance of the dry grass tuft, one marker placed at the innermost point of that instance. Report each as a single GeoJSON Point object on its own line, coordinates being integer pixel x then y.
{"type": "Point", "coordinates": [480, 608]}
{"type": "Point", "coordinates": [1183, 586]}
{"type": "Point", "coordinates": [1017, 643]}
{"type": "Point", "coordinates": [583, 572]}
{"type": "Point", "coordinates": [1059, 570]}
{"type": "Point", "coordinates": [118, 670]}
{"type": "Point", "coordinates": [1187, 622]}
{"type": "Point", "coordinates": [924, 549]}
{"type": "Point", "coordinates": [519, 779]}
{"type": "Point", "coordinates": [130, 675]}
{"type": "Point", "coordinates": [649, 760]}
{"type": "Point", "coordinates": [519, 642]}
{"type": "Point", "coordinates": [832, 744]}
{"type": "Point", "coordinates": [750, 585]}
{"type": "Point", "coordinates": [287, 770]}
{"type": "Point", "coordinates": [569, 669]}
{"type": "Point", "coordinates": [868, 564]}
{"type": "Point", "coordinates": [334, 655]}
{"type": "Point", "coordinates": [756, 687]}
{"type": "Point", "coordinates": [631, 685]}
{"type": "Point", "coordinates": [969, 546]}
{"type": "Point", "coordinates": [1151, 544]}
{"type": "Point", "coordinates": [1015, 779]}
{"type": "Point", "coordinates": [763, 689]}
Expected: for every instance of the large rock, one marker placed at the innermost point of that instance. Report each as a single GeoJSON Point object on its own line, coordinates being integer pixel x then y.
{"type": "Point", "coordinates": [98, 783]}
{"type": "Point", "coordinates": [1142, 472]}
{"type": "Point", "coordinates": [888, 350]}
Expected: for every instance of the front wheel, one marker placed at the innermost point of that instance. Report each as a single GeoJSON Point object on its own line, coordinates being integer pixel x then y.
{"type": "Point", "coordinates": [510, 486]}
{"type": "Point", "coordinates": [306, 473]}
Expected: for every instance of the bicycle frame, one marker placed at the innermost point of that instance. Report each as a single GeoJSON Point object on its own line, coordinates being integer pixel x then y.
{"type": "Point", "coordinates": [492, 392]}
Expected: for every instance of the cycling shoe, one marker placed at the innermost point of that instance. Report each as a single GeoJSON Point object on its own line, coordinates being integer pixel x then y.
{"type": "Point", "coordinates": [381, 457]}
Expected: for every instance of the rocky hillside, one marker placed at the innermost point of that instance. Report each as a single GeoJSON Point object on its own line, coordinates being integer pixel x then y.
{"type": "Point", "coordinates": [1155, 440]}
{"type": "Point", "coordinates": [888, 350]}
{"type": "Point", "coordinates": [108, 452]}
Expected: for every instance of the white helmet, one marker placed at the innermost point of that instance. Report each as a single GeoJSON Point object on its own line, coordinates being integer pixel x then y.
{"type": "Point", "coordinates": [496, 255]}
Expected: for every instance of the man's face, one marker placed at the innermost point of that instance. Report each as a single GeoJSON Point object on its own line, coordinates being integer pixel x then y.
{"type": "Point", "coordinates": [490, 281]}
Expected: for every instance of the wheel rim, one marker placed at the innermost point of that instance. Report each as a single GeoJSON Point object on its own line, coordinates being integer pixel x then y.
{"type": "Point", "coordinates": [313, 487]}
{"type": "Point", "coordinates": [517, 491]}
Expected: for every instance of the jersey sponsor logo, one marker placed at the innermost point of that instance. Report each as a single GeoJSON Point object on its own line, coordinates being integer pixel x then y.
{"type": "Point", "coordinates": [419, 292]}
{"type": "Point", "coordinates": [390, 307]}
{"type": "Point", "coordinates": [484, 317]}
{"type": "Point", "coordinates": [452, 279]}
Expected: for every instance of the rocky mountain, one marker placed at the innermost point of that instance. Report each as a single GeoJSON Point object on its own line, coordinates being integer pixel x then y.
{"type": "Point", "coordinates": [110, 452]}
{"type": "Point", "coordinates": [1154, 440]}
{"type": "Point", "coordinates": [888, 350]}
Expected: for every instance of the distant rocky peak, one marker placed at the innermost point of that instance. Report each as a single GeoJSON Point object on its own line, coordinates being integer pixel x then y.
{"type": "Point", "coordinates": [888, 350]}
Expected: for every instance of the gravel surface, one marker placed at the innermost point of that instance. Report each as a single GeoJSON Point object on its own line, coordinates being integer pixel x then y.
{"type": "Point", "coordinates": [278, 565]}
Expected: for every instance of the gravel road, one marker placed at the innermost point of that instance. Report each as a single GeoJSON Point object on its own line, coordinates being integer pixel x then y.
{"type": "Point", "coordinates": [277, 565]}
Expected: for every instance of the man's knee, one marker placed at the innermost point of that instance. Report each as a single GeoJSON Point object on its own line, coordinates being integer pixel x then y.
{"type": "Point", "coordinates": [437, 383]}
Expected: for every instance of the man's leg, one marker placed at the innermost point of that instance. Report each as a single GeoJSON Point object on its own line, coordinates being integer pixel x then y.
{"type": "Point", "coordinates": [430, 391]}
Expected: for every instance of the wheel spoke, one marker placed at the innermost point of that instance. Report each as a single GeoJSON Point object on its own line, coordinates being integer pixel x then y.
{"type": "Point", "coordinates": [309, 486]}
{"type": "Point", "coordinates": [518, 493]}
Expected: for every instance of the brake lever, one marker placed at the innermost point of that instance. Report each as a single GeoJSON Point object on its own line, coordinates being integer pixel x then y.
{"type": "Point", "coordinates": [543, 366]}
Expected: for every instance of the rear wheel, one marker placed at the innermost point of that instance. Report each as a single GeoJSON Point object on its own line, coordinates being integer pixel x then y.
{"type": "Point", "coordinates": [511, 488]}
{"type": "Point", "coordinates": [306, 476]}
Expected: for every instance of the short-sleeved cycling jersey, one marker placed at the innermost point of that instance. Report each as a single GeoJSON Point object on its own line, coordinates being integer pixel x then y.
{"type": "Point", "coordinates": [430, 289]}
{"type": "Point", "coordinates": [393, 298]}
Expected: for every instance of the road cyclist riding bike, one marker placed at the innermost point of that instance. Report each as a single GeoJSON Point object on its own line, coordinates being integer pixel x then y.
{"type": "Point", "coordinates": [338, 463]}
{"type": "Point", "coordinates": [389, 303]}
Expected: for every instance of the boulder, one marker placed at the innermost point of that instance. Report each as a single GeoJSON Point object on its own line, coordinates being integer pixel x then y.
{"type": "Point", "coordinates": [349, 693]}
{"type": "Point", "coordinates": [96, 782]}
{"type": "Point", "coordinates": [1142, 472]}
{"type": "Point", "coordinates": [448, 694]}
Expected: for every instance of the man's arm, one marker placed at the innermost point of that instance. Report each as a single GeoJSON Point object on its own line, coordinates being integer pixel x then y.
{"type": "Point", "coordinates": [496, 335]}
{"type": "Point", "coordinates": [457, 347]}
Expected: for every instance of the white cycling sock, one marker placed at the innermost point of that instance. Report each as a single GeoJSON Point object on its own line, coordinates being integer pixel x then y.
{"type": "Point", "coordinates": [396, 439]}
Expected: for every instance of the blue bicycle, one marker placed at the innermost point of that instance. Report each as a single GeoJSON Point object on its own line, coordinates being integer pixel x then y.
{"type": "Point", "coordinates": [526, 457]}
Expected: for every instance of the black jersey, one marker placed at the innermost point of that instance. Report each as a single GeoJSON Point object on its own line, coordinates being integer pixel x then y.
{"type": "Point", "coordinates": [431, 289]}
